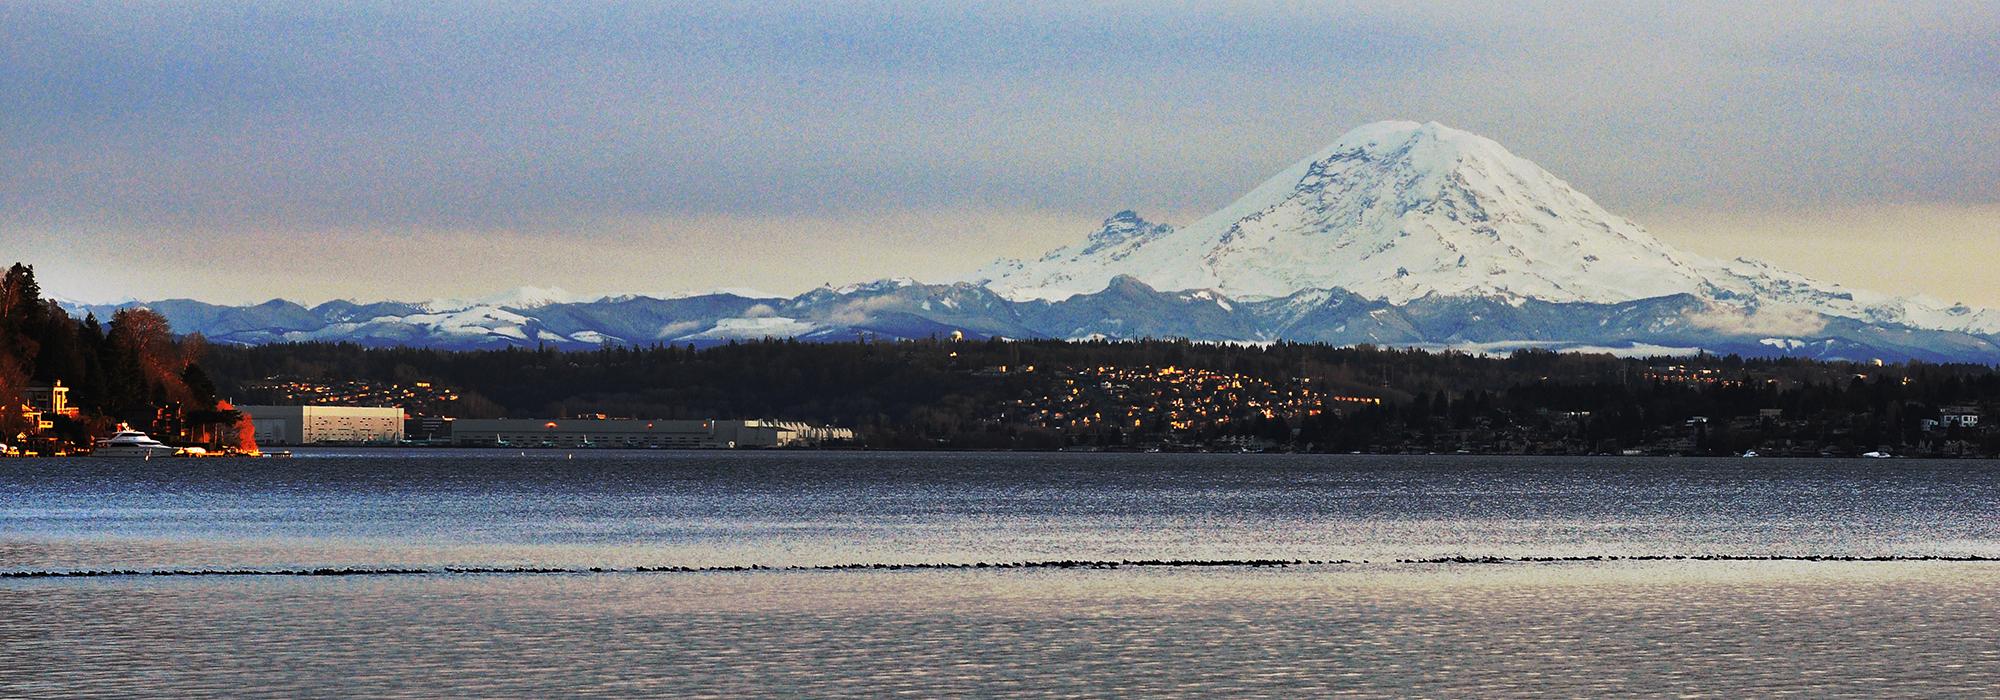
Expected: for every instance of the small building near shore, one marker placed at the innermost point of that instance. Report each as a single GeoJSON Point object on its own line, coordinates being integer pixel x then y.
{"type": "Point", "coordinates": [1959, 416]}
{"type": "Point", "coordinates": [322, 425]}
{"type": "Point", "coordinates": [50, 399]}
{"type": "Point", "coordinates": [643, 434]}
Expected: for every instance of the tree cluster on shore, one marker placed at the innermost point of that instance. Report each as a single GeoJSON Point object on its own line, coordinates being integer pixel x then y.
{"type": "Point", "coordinates": [132, 370]}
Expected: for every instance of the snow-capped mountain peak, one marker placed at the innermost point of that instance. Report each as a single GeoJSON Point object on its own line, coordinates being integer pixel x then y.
{"type": "Point", "coordinates": [1120, 235]}
{"type": "Point", "coordinates": [1399, 211]}
{"type": "Point", "coordinates": [877, 286]}
{"type": "Point", "coordinates": [1391, 210]}
{"type": "Point", "coordinates": [1122, 228]}
{"type": "Point", "coordinates": [1398, 233]}
{"type": "Point", "coordinates": [516, 298]}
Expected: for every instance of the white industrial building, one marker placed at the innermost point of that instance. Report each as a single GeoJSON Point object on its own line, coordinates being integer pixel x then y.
{"type": "Point", "coordinates": [649, 434]}
{"type": "Point", "coordinates": [310, 425]}
{"type": "Point", "coordinates": [1959, 416]}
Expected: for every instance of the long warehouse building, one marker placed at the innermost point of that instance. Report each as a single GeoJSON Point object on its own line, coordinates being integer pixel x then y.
{"type": "Point", "coordinates": [314, 425]}
{"type": "Point", "coordinates": [631, 433]}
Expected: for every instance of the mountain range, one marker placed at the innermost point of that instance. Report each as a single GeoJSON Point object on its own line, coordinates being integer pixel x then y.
{"type": "Point", "coordinates": [1398, 233]}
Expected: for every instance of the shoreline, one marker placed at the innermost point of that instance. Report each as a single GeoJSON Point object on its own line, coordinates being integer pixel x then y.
{"type": "Point", "coordinates": [293, 450]}
{"type": "Point", "coordinates": [956, 566]}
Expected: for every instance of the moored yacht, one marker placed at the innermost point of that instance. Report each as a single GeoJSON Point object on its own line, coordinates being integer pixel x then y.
{"type": "Point", "coordinates": [132, 443]}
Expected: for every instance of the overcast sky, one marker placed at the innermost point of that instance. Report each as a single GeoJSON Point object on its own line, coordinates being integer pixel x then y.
{"type": "Point", "coordinates": [401, 150]}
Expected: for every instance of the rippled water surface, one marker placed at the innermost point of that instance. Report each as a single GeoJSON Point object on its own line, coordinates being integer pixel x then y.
{"type": "Point", "coordinates": [1716, 628]}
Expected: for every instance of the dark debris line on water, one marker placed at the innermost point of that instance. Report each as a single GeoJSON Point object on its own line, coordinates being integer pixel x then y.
{"type": "Point", "coordinates": [1053, 564]}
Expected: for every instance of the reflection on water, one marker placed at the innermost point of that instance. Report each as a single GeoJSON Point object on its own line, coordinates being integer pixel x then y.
{"type": "Point", "coordinates": [1577, 629]}
{"type": "Point", "coordinates": [625, 509]}
{"type": "Point", "coordinates": [1809, 630]}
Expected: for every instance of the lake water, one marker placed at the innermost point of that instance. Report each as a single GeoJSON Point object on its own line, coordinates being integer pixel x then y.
{"type": "Point", "coordinates": [1372, 627]}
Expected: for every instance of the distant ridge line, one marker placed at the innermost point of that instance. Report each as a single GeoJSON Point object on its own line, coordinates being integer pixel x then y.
{"type": "Point", "coordinates": [1046, 564]}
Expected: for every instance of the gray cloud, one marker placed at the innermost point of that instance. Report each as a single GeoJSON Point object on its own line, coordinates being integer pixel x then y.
{"type": "Point", "coordinates": [353, 121]}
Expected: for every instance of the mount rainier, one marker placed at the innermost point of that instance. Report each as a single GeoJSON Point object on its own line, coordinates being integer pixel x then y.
{"type": "Point", "coordinates": [1398, 233]}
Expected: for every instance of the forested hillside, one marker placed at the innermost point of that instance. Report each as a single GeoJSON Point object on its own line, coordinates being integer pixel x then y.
{"type": "Point", "coordinates": [1053, 393]}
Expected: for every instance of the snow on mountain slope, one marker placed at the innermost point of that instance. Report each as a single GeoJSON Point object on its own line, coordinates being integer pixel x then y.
{"type": "Point", "coordinates": [1126, 309]}
{"type": "Point", "coordinates": [1754, 282]}
{"type": "Point", "coordinates": [517, 298]}
{"type": "Point", "coordinates": [754, 328]}
{"type": "Point", "coordinates": [477, 325]}
{"type": "Point", "coordinates": [1399, 211]}
{"type": "Point", "coordinates": [1395, 211]}
{"type": "Point", "coordinates": [1057, 272]}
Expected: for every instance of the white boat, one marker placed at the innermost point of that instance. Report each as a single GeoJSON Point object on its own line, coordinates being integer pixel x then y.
{"type": "Point", "coordinates": [1876, 455]}
{"type": "Point", "coordinates": [132, 443]}
{"type": "Point", "coordinates": [1750, 454]}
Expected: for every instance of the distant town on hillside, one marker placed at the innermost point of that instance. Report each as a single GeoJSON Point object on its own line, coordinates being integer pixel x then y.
{"type": "Point", "coordinates": [1173, 395]}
